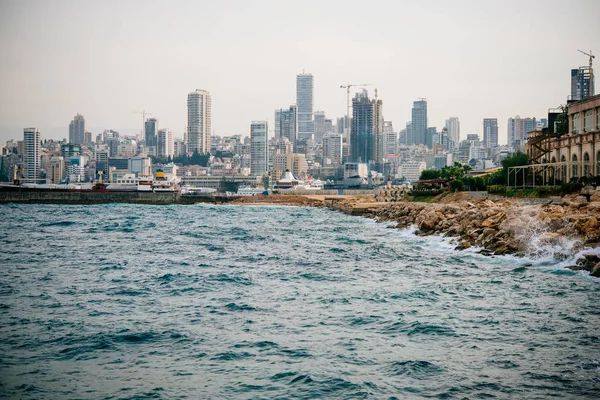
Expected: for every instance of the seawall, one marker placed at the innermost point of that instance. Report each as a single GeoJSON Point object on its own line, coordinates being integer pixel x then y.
{"type": "Point", "coordinates": [93, 197]}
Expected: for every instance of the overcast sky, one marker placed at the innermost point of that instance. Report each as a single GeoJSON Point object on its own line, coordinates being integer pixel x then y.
{"type": "Point", "coordinates": [110, 59]}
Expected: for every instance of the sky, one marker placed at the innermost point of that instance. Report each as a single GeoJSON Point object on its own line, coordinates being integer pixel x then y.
{"type": "Point", "coordinates": [109, 60]}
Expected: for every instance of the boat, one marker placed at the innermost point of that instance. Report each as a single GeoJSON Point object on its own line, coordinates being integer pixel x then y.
{"type": "Point", "coordinates": [164, 182]}
{"type": "Point", "coordinates": [249, 191]}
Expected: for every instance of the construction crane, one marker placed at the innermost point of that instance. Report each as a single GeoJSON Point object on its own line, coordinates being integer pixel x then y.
{"type": "Point", "coordinates": [144, 113]}
{"type": "Point", "coordinates": [591, 85]}
{"type": "Point", "coordinates": [347, 87]}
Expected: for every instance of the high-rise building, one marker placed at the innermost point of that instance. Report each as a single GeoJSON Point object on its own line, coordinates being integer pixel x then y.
{"type": "Point", "coordinates": [304, 101]}
{"type": "Point", "coordinates": [101, 157]}
{"type": "Point", "coordinates": [77, 130]}
{"type": "Point", "coordinates": [31, 154]}
{"type": "Point", "coordinates": [319, 126]}
{"type": "Point", "coordinates": [151, 134]}
{"type": "Point", "coordinates": [431, 132]}
{"type": "Point", "coordinates": [518, 128]}
{"type": "Point", "coordinates": [366, 134]}
{"type": "Point", "coordinates": [286, 124]}
{"type": "Point", "coordinates": [199, 126]}
{"type": "Point", "coordinates": [490, 132]}
{"type": "Point", "coordinates": [259, 147]}
{"type": "Point", "coordinates": [419, 122]}
{"type": "Point", "coordinates": [453, 128]}
{"type": "Point", "coordinates": [332, 148]}
{"type": "Point", "coordinates": [165, 145]}
{"type": "Point", "coordinates": [390, 139]}
{"type": "Point", "coordinates": [56, 168]}
{"type": "Point", "coordinates": [580, 83]}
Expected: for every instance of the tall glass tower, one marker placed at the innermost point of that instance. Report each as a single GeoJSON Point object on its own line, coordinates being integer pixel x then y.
{"type": "Point", "coordinates": [304, 101]}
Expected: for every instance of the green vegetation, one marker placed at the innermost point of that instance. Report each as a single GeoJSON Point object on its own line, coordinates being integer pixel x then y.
{"type": "Point", "coordinates": [185, 160]}
{"type": "Point", "coordinates": [429, 174]}
{"type": "Point", "coordinates": [457, 185]}
{"type": "Point", "coordinates": [455, 171]}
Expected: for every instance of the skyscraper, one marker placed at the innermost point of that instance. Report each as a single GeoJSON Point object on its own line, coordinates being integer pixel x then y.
{"type": "Point", "coordinates": [453, 128]}
{"type": "Point", "coordinates": [390, 139]}
{"type": "Point", "coordinates": [580, 83]}
{"type": "Point", "coordinates": [259, 147]}
{"type": "Point", "coordinates": [31, 154]}
{"type": "Point", "coordinates": [77, 130]}
{"type": "Point", "coordinates": [304, 101]}
{"type": "Point", "coordinates": [286, 124]}
{"type": "Point", "coordinates": [151, 133]}
{"type": "Point", "coordinates": [366, 134]}
{"type": "Point", "coordinates": [419, 121]}
{"type": "Point", "coordinates": [490, 132]}
{"type": "Point", "coordinates": [199, 121]}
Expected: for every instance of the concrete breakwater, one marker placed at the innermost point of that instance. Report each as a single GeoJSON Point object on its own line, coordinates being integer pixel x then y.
{"type": "Point", "coordinates": [97, 197]}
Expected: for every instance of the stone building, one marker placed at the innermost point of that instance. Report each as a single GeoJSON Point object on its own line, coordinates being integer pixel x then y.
{"type": "Point", "coordinates": [572, 155]}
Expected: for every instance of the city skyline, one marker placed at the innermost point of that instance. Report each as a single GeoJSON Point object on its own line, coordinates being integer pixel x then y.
{"type": "Point", "coordinates": [454, 70]}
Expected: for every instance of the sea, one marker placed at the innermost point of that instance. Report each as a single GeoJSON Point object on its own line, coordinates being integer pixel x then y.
{"type": "Point", "coordinates": [272, 302]}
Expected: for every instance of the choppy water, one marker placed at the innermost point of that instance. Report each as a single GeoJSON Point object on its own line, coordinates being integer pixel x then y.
{"type": "Point", "coordinates": [124, 301]}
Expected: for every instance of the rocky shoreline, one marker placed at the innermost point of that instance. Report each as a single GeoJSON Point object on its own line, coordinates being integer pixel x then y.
{"type": "Point", "coordinates": [498, 227]}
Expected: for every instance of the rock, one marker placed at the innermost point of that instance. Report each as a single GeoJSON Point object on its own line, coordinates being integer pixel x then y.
{"type": "Point", "coordinates": [574, 267]}
{"type": "Point", "coordinates": [596, 271]}
{"type": "Point", "coordinates": [465, 244]}
{"type": "Point", "coordinates": [592, 258]}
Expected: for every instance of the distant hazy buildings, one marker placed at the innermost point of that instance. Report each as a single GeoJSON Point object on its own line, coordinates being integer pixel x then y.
{"type": "Point", "coordinates": [77, 130]}
{"type": "Point", "coordinates": [286, 124]}
{"type": "Point", "coordinates": [390, 139]}
{"type": "Point", "coordinates": [259, 147]}
{"type": "Point", "coordinates": [366, 141]}
{"type": "Point", "coordinates": [453, 129]}
{"type": "Point", "coordinates": [31, 154]}
{"type": "Point", "coordinates": [490, 132]}
{"type": "Point", "coordinates": [518, 128]}
{"type": "Point", "coordinates": [304, 101]}
{"type": "Point", "coordinates": [419, 122]}
{"type": "Point", "coordinates": [199, 126]}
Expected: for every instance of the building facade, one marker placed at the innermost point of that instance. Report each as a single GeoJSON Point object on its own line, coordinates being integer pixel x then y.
{"type": "Point", "coordinates": [366, 134]}
{"type": "Point", "coordinates": [56, 168]}
{"type": "Point", "coordinates": [332, 148]}
{"type": "Point", "coordinates": [165, 144]}
{"type": "Point", "coordinates": [31, 155]}
{"type": "Point", "coordinates": [151, 134]}
{"type": "Point", "coordinates": [582, 84]}
{"type": "Point", "coordinates": [304, 101]}
{"type": "Point", "coordinates": [77, 130]}
{"type": "Point", "coordinates": [199, 122]}
{"type": "Point", "coordinates": [453, 129]}
{"type": "Point", "coordinates": [490, 132]}
{"type": "Point", "coordinates": [259, 147]}
{"type": "Point", "coordinates": [517, 130]}
{"type": "Point", "coordinates": [419, 122]}
{"type": "Point", "coordinates": [575, 154]}
{"type": "Point", "coordinates": [286, 124]}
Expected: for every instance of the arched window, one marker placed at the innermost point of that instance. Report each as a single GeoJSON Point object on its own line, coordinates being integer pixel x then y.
{"type": "Point", "coordinates": [574, 167]}
{"type": "Point", "coordinates": [586, 164]}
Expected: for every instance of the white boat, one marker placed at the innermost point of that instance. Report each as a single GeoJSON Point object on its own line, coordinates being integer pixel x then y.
{"type": "Point", "coordinates": [249, 191]}
{"type": "Point", "coordinates": [197, 191]}
{"type": "Point", "coordinates": [131, 182]}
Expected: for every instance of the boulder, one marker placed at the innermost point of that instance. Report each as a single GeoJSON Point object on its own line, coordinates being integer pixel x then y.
{"type": "Point", "coordinates": [596, 271]}
{"type": "Point", "coordinates": [465, 244]}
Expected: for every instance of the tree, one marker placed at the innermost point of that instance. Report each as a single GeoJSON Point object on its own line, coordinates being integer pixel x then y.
{"type": "Point", "coordinates": [514, 160]}
{"type": "Point", "coordinates": [457, 185]}
{"type": "Point", "coordinates": [429, 174]}
{"type": "Point", "coordinates": [455, 171]}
